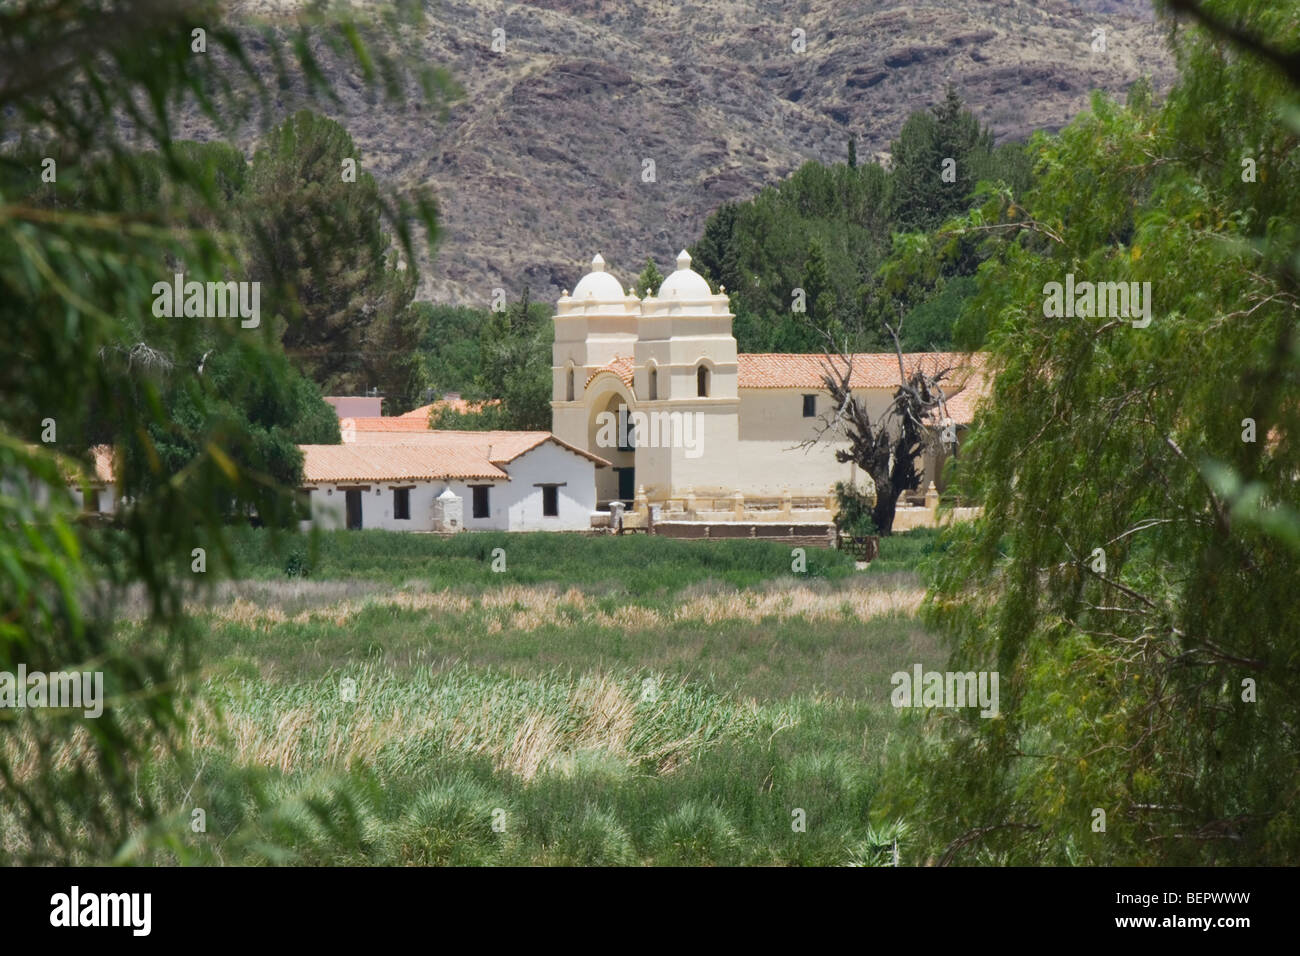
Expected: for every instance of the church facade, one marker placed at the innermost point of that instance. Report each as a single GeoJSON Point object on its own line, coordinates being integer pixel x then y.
{"type": "Point", "coordinates": [655, 385]}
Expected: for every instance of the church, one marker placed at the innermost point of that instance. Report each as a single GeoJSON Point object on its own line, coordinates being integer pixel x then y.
{"type": "Point", "coordinates": [652, 406]}
{"type": "Point", "coordinates": [656, 387]}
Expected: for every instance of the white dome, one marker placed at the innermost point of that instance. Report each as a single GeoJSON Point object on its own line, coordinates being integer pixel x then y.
{"type": "Point", "coordinates": [685, 283]}
{"type": "Point", "coordinates": [598, 284]}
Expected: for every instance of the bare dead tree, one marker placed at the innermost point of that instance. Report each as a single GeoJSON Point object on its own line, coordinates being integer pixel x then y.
{"type": "Point", "coordinates": [887, 448]}
{"type": "Point", "coordinates": [140, 354]}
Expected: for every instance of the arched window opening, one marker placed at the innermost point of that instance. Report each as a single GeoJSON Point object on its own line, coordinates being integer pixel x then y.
{"type": "Point", "coordinates": [654, 383]}
{"type": "Point", "coordinates": [568, 390]}
{"type": "Point", "coordinates": [702, 381]}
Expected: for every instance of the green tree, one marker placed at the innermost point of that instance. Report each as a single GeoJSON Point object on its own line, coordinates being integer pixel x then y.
{"type": "Point", "coordinates": [515, 376]}
{"type": "Point", "coordinates": [318, 241]}
{"type": "Point", "coordinates": [79, 256]}
{"type": "Point", "coordinates": [389, 351]}
{"type": "Point", "coordinates": [936, 159]}
{"type": "Point", "coordinates": [450, 354]}
{"type": "Point", "coordinates": [820, 303]}
{"type": "Point", "coordinates": [650, 279]}
{"type": "Point", "coordinates": [817, 284]}
{"type": "Point", "coordinates": [1130, 579]}
{"type": "Point", "coordinates": [248, 401]}
{"type": "Point", "coordinates": [714, 256]}
{"type": "Point", "coordinates": [241, 395]}
{"type": "Point", "coordinates": [758, 250]}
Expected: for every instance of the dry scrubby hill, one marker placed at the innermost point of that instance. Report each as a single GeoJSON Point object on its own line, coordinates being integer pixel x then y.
{"type": "Point", "coordinates": [540, 164]}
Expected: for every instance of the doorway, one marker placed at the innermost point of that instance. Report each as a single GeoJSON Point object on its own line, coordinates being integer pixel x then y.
{"type": "Point", "coordinates": [626, 484]}
{"type": "Point", "coordinates": [354, 508]}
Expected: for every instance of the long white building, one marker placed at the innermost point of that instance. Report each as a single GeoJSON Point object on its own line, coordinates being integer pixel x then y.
{"type": "Point", "coordinates": [413, 479]}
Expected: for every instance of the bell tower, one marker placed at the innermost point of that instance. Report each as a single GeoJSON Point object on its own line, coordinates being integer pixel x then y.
{"type": "Point", "coordinates": [686, 368]}
{"type": "Point", "coordinates": [594, 326]}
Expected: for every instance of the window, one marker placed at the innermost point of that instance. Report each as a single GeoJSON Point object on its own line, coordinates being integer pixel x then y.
{"type": "Point", "coordinates": [91, 500]}
{"type": "Point", "coordinates": [702, 382]}
{"type": "Point", "coordinates": [810, 406]}
{"type": "Point", "coordinates": [568, 389]}
{"type": "Point", "coordinates": [402, 504]}
{"type": "Point", "coordinates": [654, 384]}
{"type": "Point", "coordinates": [550, 501]}
{"type": "Point", "coordinates": [481, 509]}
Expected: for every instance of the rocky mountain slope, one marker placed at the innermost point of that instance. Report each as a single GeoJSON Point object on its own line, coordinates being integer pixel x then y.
{"type": "Point", "coordinates": [544, 161]}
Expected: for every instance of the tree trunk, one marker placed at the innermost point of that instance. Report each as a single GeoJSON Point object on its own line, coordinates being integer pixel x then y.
{"type": "Point", "coordinates": [883, 514]}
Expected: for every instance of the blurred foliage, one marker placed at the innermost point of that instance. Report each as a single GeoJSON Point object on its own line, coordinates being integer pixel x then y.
{"type": "Point", "coordinates": [93, 86]}
{"type": "Point", "coordinates": [1132, 576]}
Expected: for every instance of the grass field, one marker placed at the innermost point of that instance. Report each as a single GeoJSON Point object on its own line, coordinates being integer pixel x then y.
{"type": "Point", "coordinates": [600, 701]}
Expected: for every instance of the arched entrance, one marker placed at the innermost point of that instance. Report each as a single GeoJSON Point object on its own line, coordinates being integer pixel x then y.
{"type": "Point", "coordinates": [610, 435]}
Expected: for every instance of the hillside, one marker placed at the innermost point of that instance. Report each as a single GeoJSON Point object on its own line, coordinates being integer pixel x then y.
{"type": "Point", "coordinates": [540, 165]}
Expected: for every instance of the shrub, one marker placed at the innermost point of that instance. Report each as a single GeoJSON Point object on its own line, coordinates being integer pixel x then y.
{"type": "Point", "coordinates": [594, 838]}
{"type": "Point", "coordinates": [853, 512]}
{"type": "Point", "coordinates": [297, 565]}
{"type": "Point", "coordinates": [695, 833]}
{"type": "Point", "coordinates": [450, 824]}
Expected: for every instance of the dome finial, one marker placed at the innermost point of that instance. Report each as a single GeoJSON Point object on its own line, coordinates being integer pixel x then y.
{"type": "Point", "coordinates": [598, 285]}
{"type": "Point", "coordinates": [685, 283]}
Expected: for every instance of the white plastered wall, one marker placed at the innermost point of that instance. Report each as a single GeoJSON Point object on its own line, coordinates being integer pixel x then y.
{"type": "Point", "coordinates": [329, 505]}
{"type": "Point", "coordinates": [520, 500]}
{"type": "Point", "coordinates": [514, 505]}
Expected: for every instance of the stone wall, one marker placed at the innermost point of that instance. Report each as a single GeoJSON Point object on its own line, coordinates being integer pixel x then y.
{"type": "Point", "coordinates": [796, 535]}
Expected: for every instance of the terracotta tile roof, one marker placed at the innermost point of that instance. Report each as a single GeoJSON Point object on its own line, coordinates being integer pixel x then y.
{"type": "Point", "coordinates": [502, 447]}
{"type": "Point", "coordinates": [965, 383]}
{"type": "Point", "coordinates": [394, 462]}
{"type": "Point", "coordinates": [870, 369]}
{"type": "Point", "coordinates": [462, 405]}
{"type": "Point", "coordinates": [422, 412]}
{"type": "Point", "coordinates": [621, 366]}
{"type": "Point", "coordinates": [505, 447]}
{"type": "Point", "coordinates": [490, 449]}
{"type": "Point", "coordinates": [424, 455]}
{"type": "Point", "coordinates": [388, 423]}
{"type": "Point", "coordinates": [416, 420]}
